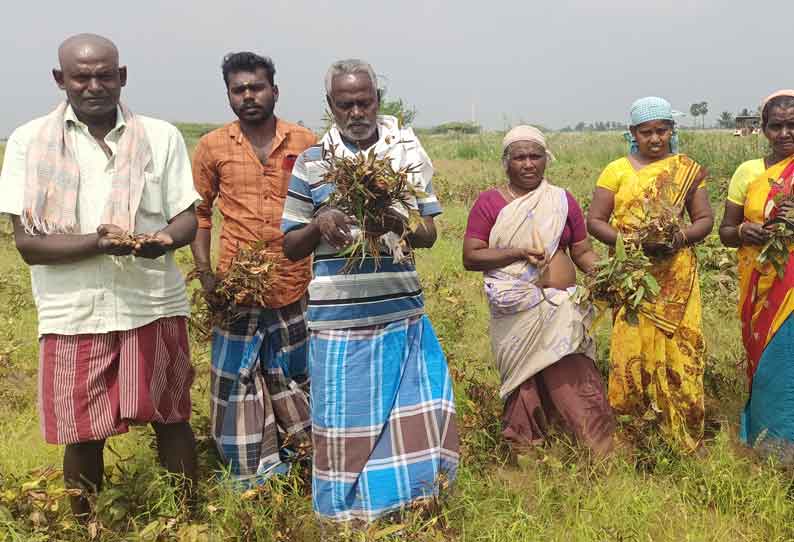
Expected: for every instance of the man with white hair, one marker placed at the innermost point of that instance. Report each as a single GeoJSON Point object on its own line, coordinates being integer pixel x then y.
{"type": "Point", "coordinates": [383, 414]}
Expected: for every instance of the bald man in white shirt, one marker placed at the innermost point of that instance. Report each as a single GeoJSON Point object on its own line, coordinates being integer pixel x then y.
{"type": "Point", "coordinates": [112, 316]}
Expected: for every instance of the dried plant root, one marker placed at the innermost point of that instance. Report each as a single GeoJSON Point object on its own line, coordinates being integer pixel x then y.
{"type": "Point", "coordinates": [131, 241]}
{"type": "Point", "coordinates": [367, 188]}
{"type": "Point", "coordinates": [246, 283]}
{"type": "Point", "coordinates": [662, 220]}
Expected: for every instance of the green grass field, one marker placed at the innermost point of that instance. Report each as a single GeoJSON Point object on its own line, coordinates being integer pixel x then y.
{"type": "Point", "coordinates": [559, 493]}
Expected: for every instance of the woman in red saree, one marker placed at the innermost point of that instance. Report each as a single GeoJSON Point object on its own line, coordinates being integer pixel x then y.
{"type": "Point", "coordinates": [759, 210]}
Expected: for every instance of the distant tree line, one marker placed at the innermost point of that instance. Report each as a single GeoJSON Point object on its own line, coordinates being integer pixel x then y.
{"type": "Point", "coordinates": [452, 128]}
{"type": "Point", "coordinates": [727, 119]}
{"type": "Point", "coordinates": [407, 114]}
{"type": "Point", "coordinates": [598, 126]}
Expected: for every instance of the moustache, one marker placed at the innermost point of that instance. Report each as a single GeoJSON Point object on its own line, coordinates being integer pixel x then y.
{"type": "Point", "coordinates": [359, 124]}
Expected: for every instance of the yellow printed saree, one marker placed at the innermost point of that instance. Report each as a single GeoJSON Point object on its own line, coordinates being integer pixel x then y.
{"type": "Point", "coordinates": [656, 366]}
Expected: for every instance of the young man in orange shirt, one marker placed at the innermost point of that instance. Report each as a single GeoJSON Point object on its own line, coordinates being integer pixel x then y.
{"type": "Point", "coordinates": [259, 378]}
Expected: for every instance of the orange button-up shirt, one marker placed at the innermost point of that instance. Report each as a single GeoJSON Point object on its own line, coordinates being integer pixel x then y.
{"type": "Point", "coordinates": [250, 197]}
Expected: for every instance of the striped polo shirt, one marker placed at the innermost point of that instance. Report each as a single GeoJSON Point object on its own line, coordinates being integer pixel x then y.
{"type": "Point", "coordinates": [362, 296]}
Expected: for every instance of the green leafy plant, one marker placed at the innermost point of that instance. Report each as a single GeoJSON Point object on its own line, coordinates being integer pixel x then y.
{"type": "Point", "coordinates": [404, 113]}
{"type": "Point", "coordinates": [621, 281]}
{"type": "Point", "coordinates": [775, 251]}
{"type": "Point", "coordinates": [781, 228]}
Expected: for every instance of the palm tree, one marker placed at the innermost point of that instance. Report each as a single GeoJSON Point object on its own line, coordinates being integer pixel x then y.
{"type": "Point", "coordinates": [699, 109]}
{"type": "Point", "coordinates": [726, 120]}
{"type": "Point", "coordinates": [704, 110]}
{"type": "Point", "coordinates": [694, 110]}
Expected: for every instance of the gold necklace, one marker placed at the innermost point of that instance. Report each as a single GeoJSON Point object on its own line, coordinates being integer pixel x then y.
{"type": "Point", "coordinates": [510, 191]}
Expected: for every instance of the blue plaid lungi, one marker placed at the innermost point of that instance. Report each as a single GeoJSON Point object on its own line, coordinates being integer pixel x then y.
{"type": "Point", "coordinates": [383, 418]}
{"type": "Point", "coordinates": [259, 413]}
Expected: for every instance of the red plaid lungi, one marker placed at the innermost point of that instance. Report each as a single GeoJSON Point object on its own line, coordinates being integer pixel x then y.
{"type": "Point", "coordinates": [92, 386]}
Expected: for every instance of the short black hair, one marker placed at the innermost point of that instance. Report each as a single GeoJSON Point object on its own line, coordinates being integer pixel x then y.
{"type": "Point", "coordinates": [785, 102]}
{"type": "Point", "coordinates": [247, 61]}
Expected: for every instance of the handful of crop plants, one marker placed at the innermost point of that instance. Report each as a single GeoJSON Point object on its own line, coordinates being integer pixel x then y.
{"type": "Point", "coordinates": [781, 235]}
{"type": "Point", "coordinates": [370, 190]}
{"type": "Point", "coordinates": [624, 280]}
{"type": "Point", "coordinates": [132, 241]}
{"type": "Point", "coordinates": [661, 218]}
{"type": "Point", "coordinates": [247, 282]}
{"type": "Point", "coordinates": [621, 281]}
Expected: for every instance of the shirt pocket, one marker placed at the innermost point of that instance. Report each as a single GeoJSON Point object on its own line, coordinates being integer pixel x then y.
{"type": "Point", "coordinates": [151, 211]}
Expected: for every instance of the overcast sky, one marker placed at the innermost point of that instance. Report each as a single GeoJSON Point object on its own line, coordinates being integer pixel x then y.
{"type": "Point", "coordinates": [552, 63]}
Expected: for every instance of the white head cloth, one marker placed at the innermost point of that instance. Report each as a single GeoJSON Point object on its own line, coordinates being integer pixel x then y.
{"type": "Point", "coordinates": [526, 133]}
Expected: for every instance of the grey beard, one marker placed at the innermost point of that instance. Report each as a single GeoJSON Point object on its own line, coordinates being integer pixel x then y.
{"type": "Point", "coordinates": [348, 134]}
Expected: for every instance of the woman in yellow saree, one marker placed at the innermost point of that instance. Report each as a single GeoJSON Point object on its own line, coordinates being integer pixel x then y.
{"type": "Point", "coordinates": [758, 214]}
{"type": "Point", "coordinates": [656, 363]}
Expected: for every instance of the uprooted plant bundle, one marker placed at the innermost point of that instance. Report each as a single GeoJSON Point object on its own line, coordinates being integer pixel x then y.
{"type": "Point", "coordinates": [247, 282]}
{"type": "Point", "coordinates": [621, 281]}
{"type": "Point", "coordinates": [660, 216]}
{"type": "Point", "coordinates": [781, 229]}
{"type": "Point", "coordinates": [369, 189]}
{"type": "Point", "coordinates": [625, 279]}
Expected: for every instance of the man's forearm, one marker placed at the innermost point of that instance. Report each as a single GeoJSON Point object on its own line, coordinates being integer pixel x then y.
{"type": "Point", "coordinates": [54, 249]}
{"type": "Point", "coordinates": [57, 249]}
{"type": "Point", "coordinates": [182, 228]}
{"type": "Point", "coordinates": [201, 249]}
{"type": "Point", "coordinates": [421, 238]}
{"type": "Point", "coordinates": [424, 236]}
{"type": "Point", "coordinates": [299, 244]}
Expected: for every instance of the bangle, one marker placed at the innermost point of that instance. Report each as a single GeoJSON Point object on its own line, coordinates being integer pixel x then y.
{"type": "Point", "coordinates": [739, 231]}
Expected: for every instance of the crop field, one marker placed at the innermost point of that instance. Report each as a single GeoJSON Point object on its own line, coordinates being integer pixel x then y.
{"type": "Point", "coordinates": [645, 492]}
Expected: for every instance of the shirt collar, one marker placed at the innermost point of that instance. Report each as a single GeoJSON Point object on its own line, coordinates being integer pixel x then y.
{"type": "Point", "coordinates": [69, 117]}
{"type": "Point", "coordinates": [236, 133]}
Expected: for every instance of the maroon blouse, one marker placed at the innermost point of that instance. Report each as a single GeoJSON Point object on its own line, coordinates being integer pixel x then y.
{"type": "Point", "coordinates": [483, 215]}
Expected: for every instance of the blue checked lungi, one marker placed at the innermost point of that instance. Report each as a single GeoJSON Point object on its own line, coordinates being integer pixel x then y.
{"type": "Point", "coordinates": [383, 418]}
{"type": "Point", "coordinates": [259, 412]}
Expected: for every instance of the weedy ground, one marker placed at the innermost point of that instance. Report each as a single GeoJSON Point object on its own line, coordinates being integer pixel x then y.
{"type": "Point", "coordinates": [645, 492]}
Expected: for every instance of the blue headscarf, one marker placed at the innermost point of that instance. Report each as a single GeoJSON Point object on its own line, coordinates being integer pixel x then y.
{"type": "Point", "coordinates": [648, 109]}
